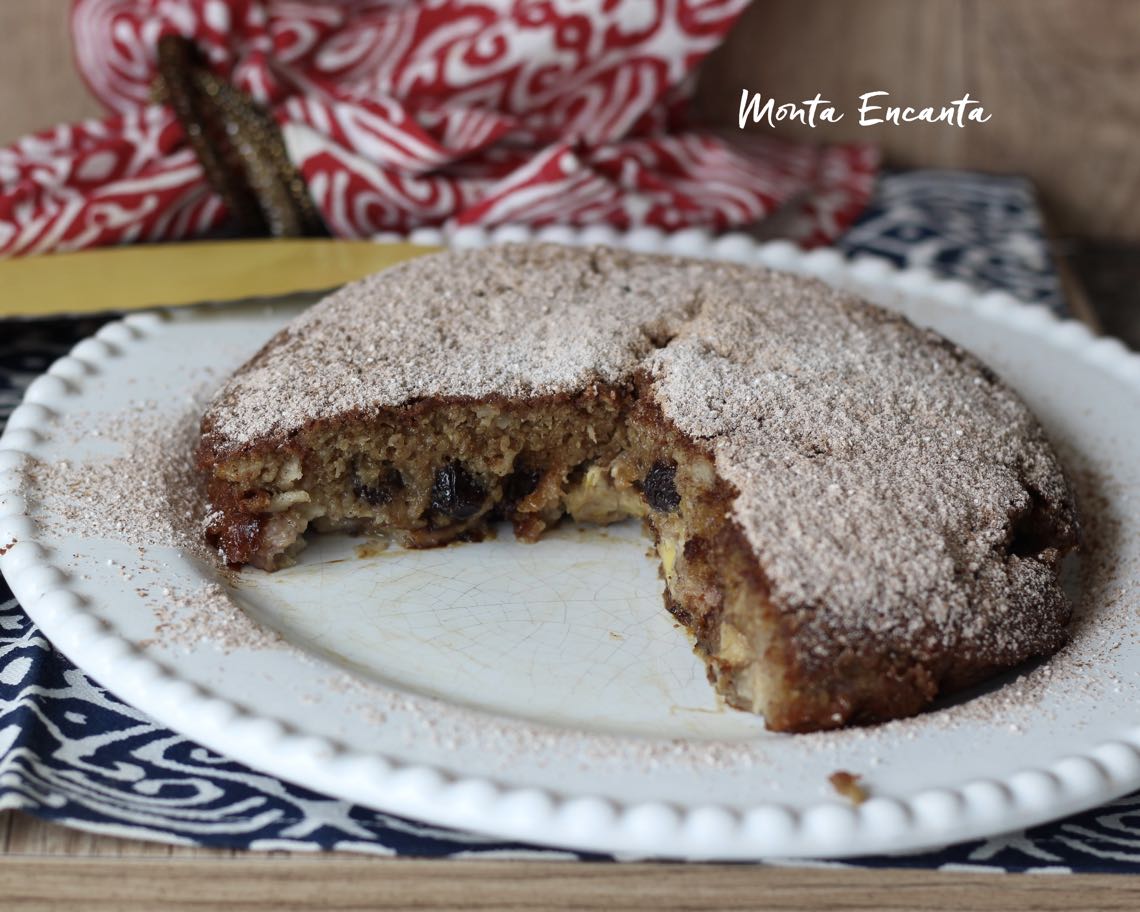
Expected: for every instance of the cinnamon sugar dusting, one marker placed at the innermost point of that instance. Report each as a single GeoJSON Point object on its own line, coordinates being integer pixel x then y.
{"type": "Point", "coordinates": [148, 495]}
{"type": "Point", "coordinates": [512, 321]}
{"type": "Point", "coordinates": [208, 614]}
{"type": "Point", "coordinates": [883, 472]}
{"type": "Point", "coordinates": [153, 466]}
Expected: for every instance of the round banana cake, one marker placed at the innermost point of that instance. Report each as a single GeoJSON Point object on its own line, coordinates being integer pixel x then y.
{"type": "Point", "coordinates": [853, 515]}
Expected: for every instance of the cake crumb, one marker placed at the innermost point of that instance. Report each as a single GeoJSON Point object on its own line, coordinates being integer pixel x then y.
{"type": "Point", "coordinates": [372, 547]}
{"type": "Point", "coordinates": [847, 785]}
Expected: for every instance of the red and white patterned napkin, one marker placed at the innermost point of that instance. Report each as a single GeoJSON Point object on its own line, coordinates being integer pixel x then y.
{"type": "Point", "coordinates": [405, 113]}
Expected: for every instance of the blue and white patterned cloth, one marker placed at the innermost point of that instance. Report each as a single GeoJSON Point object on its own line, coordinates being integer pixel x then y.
{"type": "Point", "coordinates": [982, 229]}
{"type": "Point", "coordinates": [71, 752]}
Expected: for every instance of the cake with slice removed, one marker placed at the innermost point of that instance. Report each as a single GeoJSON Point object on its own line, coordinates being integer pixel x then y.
{"type": "Point", "coordinates": [853, 514]}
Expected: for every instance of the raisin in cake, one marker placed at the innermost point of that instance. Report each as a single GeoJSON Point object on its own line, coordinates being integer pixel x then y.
{"type": "Point", "coordinates": [853, 515]}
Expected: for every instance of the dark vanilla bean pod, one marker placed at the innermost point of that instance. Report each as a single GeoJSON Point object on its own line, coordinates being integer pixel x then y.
{"type": "Point", "coordinates": [238, 144]}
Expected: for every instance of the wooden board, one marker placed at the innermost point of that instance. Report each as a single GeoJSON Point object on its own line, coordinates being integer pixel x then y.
{"type": "Point", "coordinates": [44, 867]}
{"type": "Point", "coordinates": [149, 275]}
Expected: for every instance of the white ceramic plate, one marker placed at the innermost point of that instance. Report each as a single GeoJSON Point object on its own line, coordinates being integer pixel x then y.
{"type": "Point", "coordinates": [541, 692]}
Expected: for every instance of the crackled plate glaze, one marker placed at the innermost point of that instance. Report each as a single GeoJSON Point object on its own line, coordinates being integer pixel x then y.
{"type": "Point", "coordinates": [540, 692]}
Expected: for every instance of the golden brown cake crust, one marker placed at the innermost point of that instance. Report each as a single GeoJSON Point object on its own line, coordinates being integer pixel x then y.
{"type": "Point", "coordinates": [899, 510]}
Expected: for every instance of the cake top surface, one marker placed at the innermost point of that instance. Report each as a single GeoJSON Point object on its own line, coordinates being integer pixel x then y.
{"type": "Point", "coordinates": [877, 466]}
{"type": "Point", "coordinates": [512, 320]}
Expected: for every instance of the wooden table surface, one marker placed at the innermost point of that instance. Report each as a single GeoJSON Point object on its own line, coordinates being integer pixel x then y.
{"type": "Point", "coordinates": [43, 866]}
